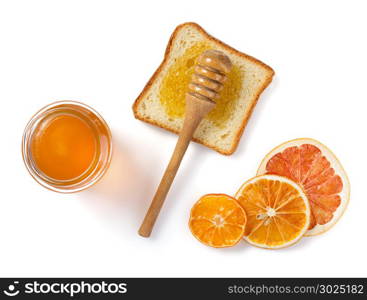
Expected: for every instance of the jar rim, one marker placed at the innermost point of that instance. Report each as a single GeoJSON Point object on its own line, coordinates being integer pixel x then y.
{"type": "Point", "coordinates": [74, 186]}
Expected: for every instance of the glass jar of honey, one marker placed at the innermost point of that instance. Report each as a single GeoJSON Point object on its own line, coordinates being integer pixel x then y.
{"type": "Point", "coordinates": [67, 146]}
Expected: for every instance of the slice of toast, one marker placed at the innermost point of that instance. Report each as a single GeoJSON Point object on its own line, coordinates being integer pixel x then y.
{"type": "Point", "coordinates": [222, 129]}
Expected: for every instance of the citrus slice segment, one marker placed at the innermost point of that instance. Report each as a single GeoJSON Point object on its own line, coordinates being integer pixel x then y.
{"type": "Point", "coordinates": [316, 169]}
{"type": "Point", "coordinates": [217, 220]}
{"type": "Point", "coordinates": [278, 212]}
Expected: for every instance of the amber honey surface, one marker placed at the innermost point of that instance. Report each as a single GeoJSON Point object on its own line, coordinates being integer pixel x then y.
{"type": "Point", "coordinates": [174, 87]}
{"type": "Point", "coordinates": [65, 146]}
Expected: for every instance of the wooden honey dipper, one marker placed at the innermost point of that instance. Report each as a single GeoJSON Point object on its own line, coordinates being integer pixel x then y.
{"type": "Point", "coordinates": [207, 80]}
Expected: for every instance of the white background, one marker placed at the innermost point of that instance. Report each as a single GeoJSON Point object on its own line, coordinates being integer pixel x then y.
{"type": "Point", "coordinates": [102, 53]}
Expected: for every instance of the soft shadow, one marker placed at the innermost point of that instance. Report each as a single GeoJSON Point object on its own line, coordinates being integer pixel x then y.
{"type": "Point", "coordinates": [192, 160]}
{"type": "Point", "coordinates": [302, 244]}
{"type": "Point", "coordinates": [183, 180]}
{"type": "Point", "coordinates": [256, 116]}
{"type": "Point", "coordinates": [121, 197]}
{"type": "Point", "coordinates": [242, 246]}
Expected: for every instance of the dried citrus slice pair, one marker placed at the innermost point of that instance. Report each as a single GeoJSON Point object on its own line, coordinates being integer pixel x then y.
{"type": "Point", "coordinates": [318, 172]}
{"type": "Point", "coordinates": [270, 212]}
{"type": "Point", "coordinates": [306, 194]}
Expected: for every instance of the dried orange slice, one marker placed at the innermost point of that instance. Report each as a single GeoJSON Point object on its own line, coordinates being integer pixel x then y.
{"type": "Point", "coordinates": [278, 212]}
{"type": "Point", "coordinates": [217, 220]}
{"type": "Point", "coordinates": [316, 169]}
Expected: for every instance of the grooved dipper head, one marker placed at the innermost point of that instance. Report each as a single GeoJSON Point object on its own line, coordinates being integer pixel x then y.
{"type": "Point", "coordinates": [209, 74]}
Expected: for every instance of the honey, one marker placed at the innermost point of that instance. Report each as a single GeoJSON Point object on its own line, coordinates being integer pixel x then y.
{"type": "Point", "coordinates": [67, 146]}
{"type": "Point", "coordinates": [174, 85]}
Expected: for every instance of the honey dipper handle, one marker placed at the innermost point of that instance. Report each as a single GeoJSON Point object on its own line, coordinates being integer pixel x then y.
{"type": "Point", "coordinates": [196, 109]}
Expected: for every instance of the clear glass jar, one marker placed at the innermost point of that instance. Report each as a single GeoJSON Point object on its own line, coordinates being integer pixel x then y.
{"type": "Point", "coordinates": [61, 122]}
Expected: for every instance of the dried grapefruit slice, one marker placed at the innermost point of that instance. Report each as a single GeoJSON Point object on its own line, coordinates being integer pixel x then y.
{"type": "Point", "coordinates": [278, 212]}
{"type": "Point", "coordinates": [316, 169]}
{"type": "Point", "coordinates": [217, 220]}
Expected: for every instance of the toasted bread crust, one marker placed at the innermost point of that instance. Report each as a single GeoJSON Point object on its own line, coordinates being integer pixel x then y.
{"type": "Point", "coordinates": [240, 131]}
